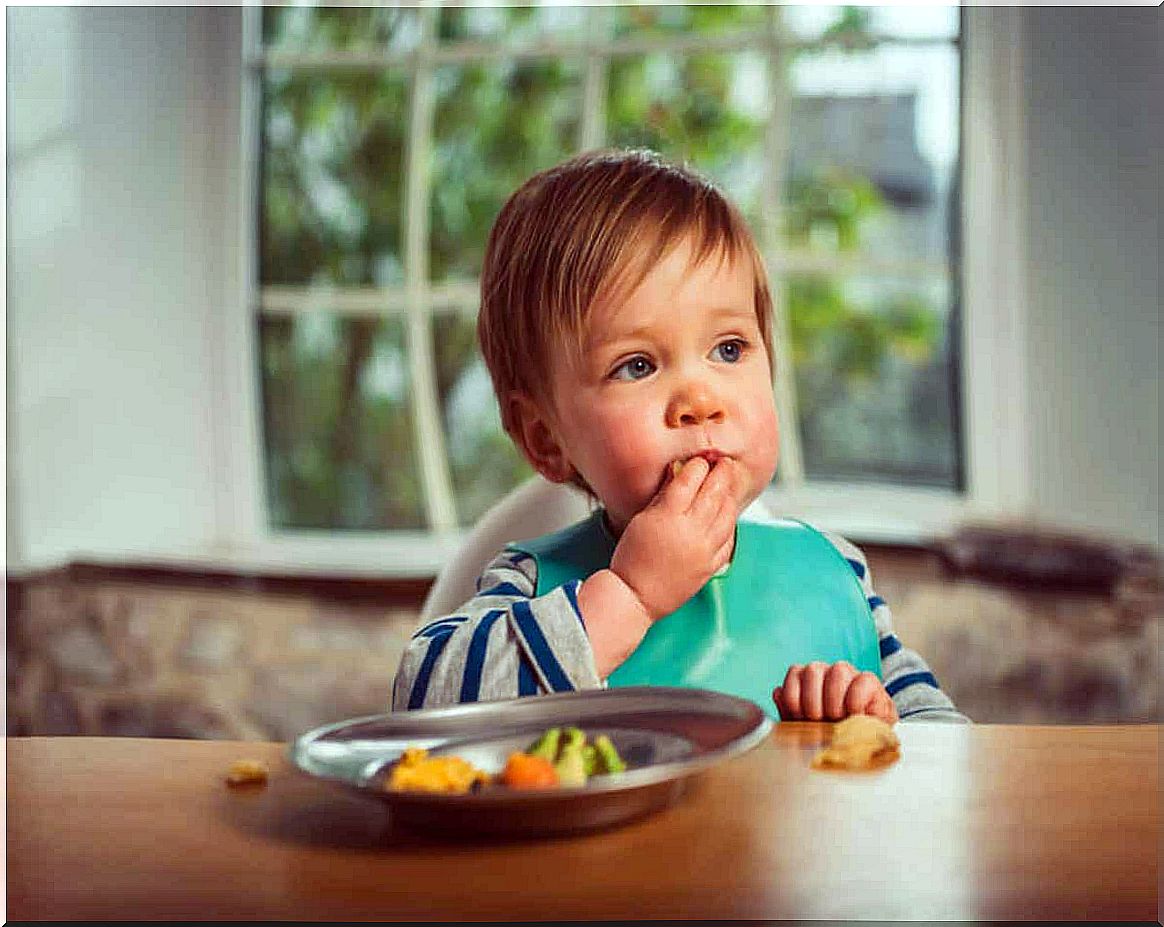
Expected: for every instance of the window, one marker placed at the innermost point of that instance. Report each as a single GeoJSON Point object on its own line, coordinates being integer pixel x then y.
{"type": "Point", "coordinates": [389, 138]}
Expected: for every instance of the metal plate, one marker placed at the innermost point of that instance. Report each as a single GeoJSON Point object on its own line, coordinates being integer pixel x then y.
{"type": "Point", "coordinates": [664, 734]}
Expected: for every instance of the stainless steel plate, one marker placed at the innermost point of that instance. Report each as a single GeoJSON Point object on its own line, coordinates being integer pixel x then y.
{"type": "Point", "coordinates": [665, 735]}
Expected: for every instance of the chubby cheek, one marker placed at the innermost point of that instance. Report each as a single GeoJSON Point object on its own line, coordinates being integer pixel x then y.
{"type": "Point", "coordinates": [626, 467]}
{"type": "Point", "coordinates": [770, 443]}
{"type": "Point", "coordinates": [763, 448]}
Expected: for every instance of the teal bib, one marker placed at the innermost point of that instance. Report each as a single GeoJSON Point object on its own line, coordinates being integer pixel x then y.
{"type": "Point", "coordinates": [787, 597]}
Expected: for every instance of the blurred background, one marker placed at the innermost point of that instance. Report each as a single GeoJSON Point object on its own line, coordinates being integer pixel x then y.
{"type": "Point", "coordinates": [247, 421]}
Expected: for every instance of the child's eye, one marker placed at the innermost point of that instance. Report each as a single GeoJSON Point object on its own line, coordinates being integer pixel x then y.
{"type": "Point", "coordinates": [634, 369]}
{"type": "Point", "coordinates": [731, 350]}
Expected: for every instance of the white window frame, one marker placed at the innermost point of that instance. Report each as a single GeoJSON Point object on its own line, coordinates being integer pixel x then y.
{"type": "Point", "coordinates": [996, 458]}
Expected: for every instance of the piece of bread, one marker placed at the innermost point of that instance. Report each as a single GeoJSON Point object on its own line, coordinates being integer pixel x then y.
{"type": "Point", "coordinates": [859, 742]}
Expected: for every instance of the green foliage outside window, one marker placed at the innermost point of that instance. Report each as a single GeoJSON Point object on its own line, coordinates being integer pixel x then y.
{"type": "Point", "coordinates": [495, 124]}
{"type": "Point", "coordinates": [332, 189]}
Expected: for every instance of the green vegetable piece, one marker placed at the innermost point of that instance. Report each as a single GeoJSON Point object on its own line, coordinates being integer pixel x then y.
{"type": "Point", "coordinates": [590, 760]}
{"type": "Point", "coordinates": [574, 737]}
{"type": "Point", "coordinates": [546, 746]}
{"type": "Point", "coordinates": [608, 757]}
{"type": "Point", "coordinates": [571, 766]}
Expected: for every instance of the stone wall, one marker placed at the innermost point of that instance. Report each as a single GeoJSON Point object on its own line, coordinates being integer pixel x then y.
{"type": "Point", "coordinates": [112, 658]}
{"type": "Point", "coordinates": [1008, 654]}
{"type": "Point", "coordinates": [93, 655]}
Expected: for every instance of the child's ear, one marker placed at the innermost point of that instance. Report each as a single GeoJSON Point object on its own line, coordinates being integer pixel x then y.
{"type": "Point", "coordinates": [535, 435]}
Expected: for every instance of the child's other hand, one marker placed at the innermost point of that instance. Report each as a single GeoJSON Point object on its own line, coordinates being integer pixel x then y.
{"type": "Point", "coordinates": [820, 692]}
{"type": "Point", "coordinates": [673, 546]}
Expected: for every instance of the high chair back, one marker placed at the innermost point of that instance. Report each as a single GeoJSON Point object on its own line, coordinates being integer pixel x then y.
{"type": "Point", "coordinates": [533, 508]}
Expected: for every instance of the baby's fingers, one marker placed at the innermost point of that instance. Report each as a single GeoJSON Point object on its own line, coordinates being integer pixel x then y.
{"type": "Point", "coordinates": [684, 486]}
{"type": "Point", "coordinates": [787, 696]}
{"type": "Point", "coordinates": [732, 502]}
{"type": "Point", "coordinates": [881, 706]}
{"type": "Point", "coordinates": [724, 553]}
{"type": "Point", "coordinates": [862, 694]}
{"type": "Point", "coordinates": [722, 530]}
{"type": "Point", "coordinates": [837, 682]}
{"type": "Point", "coordinates": [812, 691]}
{"type": "Point", "coordinates": [781, 707]}
{"type": "Point", "coordinates": [716, 489]}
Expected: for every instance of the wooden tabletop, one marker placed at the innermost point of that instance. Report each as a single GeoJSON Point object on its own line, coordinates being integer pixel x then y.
{"type": "Point", "coordinates": [983, 822]}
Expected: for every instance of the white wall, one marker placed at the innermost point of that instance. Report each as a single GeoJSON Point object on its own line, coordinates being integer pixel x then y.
{"type": "Point", "coordinates": [123, 269]}
{"type": "Point", "coordinates": [1094, 113]}
{"type": "Point", "coordinates": [111, 285]}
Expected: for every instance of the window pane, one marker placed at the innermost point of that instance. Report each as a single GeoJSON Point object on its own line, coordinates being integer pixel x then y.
{"type": "Point", "coordinates": [708, 19]}
{"type": "Point", "coordinates": [874, 149]}
{"type": "Point", "coordinates": [339, 431]}
{"type": "Point", "coordinates": [318, 29]}
{"type": "Point", "coordinates": [915, 22]}
{"type": "Point", "coordinates": [708, 110]}
{"type": "Point", "coordinates": [496, 123]}
{"type": "Point", "coordinates": [874, 379]}
{"type": "Point", "coordinates": [513, 26]}
{"type": "Point", "coordinates": [333, 149]}
{"type": "Point", "coordinates": [485, 465]}
{"type": "Point", "coordinates": [854, 24]}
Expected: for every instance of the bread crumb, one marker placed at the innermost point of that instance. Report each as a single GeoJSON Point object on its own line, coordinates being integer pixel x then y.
{"type": "Point", "coordinates": [859, 742]}
{"type": "Point", "coordinates": [247, 772]}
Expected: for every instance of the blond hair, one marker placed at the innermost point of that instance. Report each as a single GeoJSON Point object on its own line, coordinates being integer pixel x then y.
{"type": "Point", "coordinates": [572, 233]}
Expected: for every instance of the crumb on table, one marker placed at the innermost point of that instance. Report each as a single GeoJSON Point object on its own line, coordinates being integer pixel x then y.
{"type": "Point", "coordinates": [246, 772]}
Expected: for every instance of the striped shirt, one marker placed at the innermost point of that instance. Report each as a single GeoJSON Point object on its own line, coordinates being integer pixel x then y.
{"type": "Point", "coordinates": [507, 642]}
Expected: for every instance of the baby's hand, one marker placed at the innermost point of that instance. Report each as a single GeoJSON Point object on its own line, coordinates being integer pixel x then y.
{"type": "Point", "coordinates": [819, 692]}
{"type": "Point", "coordinates": [673, 546]}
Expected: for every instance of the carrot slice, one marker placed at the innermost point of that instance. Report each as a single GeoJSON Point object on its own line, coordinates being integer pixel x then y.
{"type": "Point", "coordinates": [523, 771]}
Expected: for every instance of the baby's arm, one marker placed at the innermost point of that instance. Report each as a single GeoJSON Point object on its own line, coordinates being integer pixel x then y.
{"type": "Point", "coordinates": [908, 678]}
{"type": "Point", "coordinates": [502, 643]}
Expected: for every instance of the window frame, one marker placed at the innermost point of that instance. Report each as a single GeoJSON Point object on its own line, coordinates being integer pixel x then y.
{"type": "Point", "coordinates": [992, 289]}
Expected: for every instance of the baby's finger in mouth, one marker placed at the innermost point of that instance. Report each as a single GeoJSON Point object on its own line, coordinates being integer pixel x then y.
{"type": "Point", "coordinates": [686, 472]}
{"type": "Point", "coordinates": [712, 491]}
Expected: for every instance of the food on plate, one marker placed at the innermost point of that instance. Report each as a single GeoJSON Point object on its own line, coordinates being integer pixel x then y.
{"type": "Point", "coordinates": [527, 771]}
{"type": "Point", "coordinates": [859, 742]}
{"type": "Point", "coordinates": [247, 772]}
{"type": "Point", "coordinates": [571, 766]}
{"type": "Point", "coordinates": [608, 759]}
{"type": "Point", "coordinates": [559, 758]}
{"type": "Point", "coordinates": [573, 759]}
{"type": "Point", "coordinates": [546, 746]}
{"type": "Point", "coordinates": [416, 771]}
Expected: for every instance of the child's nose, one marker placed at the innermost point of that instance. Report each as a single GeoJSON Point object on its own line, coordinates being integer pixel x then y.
{"type": "Point", "coordinates": [694, 404]}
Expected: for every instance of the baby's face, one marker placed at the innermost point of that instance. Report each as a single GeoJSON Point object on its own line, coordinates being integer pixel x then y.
{"type": "Point", "coordinates": [673, 369]}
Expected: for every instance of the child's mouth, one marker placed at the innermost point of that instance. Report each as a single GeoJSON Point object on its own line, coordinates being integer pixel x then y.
{"type": "Point", "coordinates": [709, 455]}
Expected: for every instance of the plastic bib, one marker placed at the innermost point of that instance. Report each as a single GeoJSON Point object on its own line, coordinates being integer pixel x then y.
{"type": "Point", "coordinates": [787, 597]}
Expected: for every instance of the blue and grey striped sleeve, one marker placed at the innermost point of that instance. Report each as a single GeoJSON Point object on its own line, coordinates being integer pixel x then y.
{"type": "Point", "coordinates": [503, 643]}
{"type": "Point", "coordinates": [907, 677]}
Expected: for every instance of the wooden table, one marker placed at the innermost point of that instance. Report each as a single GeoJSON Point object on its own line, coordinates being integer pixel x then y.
{"type": "Point", "coordinates": [983, 822]}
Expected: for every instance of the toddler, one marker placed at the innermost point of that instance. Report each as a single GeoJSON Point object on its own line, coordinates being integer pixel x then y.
{"type": "Point", "coordinates": [625, 321]}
